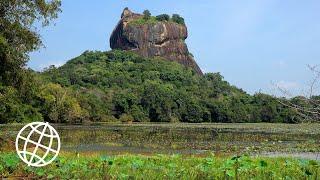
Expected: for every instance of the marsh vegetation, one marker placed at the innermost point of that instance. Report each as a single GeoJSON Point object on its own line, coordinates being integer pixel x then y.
{"type": "Point", "coordinates": [184, 151]}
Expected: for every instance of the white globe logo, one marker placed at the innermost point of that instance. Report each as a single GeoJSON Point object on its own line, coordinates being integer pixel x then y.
{"type": "Point", "coordinates": [38, 144]}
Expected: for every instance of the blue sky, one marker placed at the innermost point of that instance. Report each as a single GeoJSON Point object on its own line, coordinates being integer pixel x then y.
{"type": "Point", "coordinates": [255, 45]}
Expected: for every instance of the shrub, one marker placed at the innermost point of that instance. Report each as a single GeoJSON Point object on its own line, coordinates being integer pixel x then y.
{"type": "Point", "coordinates": [125, 118]}
{"type": "Point", "coordinates": [163, 17]}
{"type": "Point", "coordinates": [177, 18]}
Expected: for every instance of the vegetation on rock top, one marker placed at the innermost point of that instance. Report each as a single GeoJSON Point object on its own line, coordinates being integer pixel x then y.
{"type": "Point", "coordinates": [148, 19]}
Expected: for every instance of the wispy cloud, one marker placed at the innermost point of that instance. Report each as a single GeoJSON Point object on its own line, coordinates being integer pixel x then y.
{"type": "Point", "coordinates": [287, 85]}
{"type": "Point", "coordinates": [284, 88]}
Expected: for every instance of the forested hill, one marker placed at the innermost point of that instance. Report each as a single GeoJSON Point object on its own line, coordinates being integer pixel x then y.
{"type": "Point", "coordinates": [122, 86]}
{"type": "Point", "coordinates": [118, 85]}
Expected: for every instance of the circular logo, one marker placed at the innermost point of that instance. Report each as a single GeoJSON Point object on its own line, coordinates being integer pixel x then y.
{"type": "Point", "coordinates": [38, 144]}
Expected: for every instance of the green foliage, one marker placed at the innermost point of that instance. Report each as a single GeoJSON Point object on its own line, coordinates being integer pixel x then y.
{"type": "Point", "coordinates": [59, 105]}
{"type": "Point", "coordinates": [12, 109]}
{"type": "Point", "coordinates": [141, 21]}
{"type": "Point", "coordinates": [146, 14]}
{"type": "Point", "coordinates": [162, 167]}
{"type": "Point", "coordinates": [125, 118]}
{"type": "Point", "coordinates": [163, 17]}
{"type": "Point", "coordinates": [18, 36]}
{"type": "Point", "coordinates": [118, 83]}
{"type": "Point", "coordinates": [148, 19]}
{"type": "Point", "coordinates": [107, 86]}
{"type": "Point", "coordinates": [178, 19]}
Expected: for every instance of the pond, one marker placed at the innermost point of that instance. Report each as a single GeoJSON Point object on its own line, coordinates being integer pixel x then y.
{"type": "Point", "coordinates": [300, 140]}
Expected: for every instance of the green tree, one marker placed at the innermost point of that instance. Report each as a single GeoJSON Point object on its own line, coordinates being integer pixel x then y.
{"type": "Point", "coordinates": [123, 102]}
{"type": "Point", "coordinates": [146, 14]}
{"type": "Point", "coordinates": [163, 17]}
{"type": "Point", "coordinates": [138, 114]}
{"type": "Point", "coordinates": [12, 109]}
{"type": "Point", "coordinates": [178, 19]}
{"type": "Point", "coordinates": [96, 103]}
{"type": "Point", "coordinates": [59, 105]}
{"type": "Point", "coordinates": [18, 36]}
{"type": "Point", "coordinates": [119, 84]}
{"type": "Point", "coordinates": [158, 99]}
{"type": "Point", "coordinates": [269, 107]}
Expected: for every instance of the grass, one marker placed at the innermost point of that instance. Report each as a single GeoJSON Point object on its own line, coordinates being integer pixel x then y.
{"type": "Point", "coordinates": [141, 21]}
{"type": "Point", "coordinates": [72, 166]}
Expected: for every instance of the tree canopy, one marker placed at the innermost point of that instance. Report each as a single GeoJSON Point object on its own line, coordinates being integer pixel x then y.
{"type": "Point", "coordinates": [18, 35]}
{"type": "Point", "coordinates": [126, 86]}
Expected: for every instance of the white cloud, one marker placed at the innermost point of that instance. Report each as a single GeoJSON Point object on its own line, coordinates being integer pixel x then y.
{"type": "Point", "coordinates": [284, 88]}
{"type": "Point", "coordinates": [287, 85]}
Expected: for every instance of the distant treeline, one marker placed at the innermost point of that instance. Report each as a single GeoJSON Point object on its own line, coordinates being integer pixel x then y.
{"type": "Point", "coordinates": [122, 86]}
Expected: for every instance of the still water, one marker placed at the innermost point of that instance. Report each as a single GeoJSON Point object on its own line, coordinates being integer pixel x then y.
{"type": "Point", "coordinates": [194, 139]}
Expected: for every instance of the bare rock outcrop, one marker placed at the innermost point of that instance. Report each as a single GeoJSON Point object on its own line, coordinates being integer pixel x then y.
{"type": "Point", "coordinates": [163, 39]}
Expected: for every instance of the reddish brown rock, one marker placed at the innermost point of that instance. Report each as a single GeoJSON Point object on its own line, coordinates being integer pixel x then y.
{"type": "Point", "coordinates": [163, 39]}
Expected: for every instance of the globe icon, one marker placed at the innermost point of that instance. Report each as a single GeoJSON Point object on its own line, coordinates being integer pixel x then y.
{"type": "Point", "coordinates": [38, 144]}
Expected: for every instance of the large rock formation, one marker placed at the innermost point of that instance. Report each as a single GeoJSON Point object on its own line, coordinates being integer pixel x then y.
{"type": "Point", "coordinates": [162, 38]}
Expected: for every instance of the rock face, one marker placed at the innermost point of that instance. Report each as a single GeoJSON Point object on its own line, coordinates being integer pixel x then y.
{"type": "Point", "coordinates": [162, 38]}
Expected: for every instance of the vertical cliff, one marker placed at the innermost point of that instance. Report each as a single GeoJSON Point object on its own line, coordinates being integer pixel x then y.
{"type": "Point", "coordinates": [158, 38]}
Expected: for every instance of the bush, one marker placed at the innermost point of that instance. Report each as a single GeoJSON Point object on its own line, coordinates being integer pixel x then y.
{"type": "Point", "coordinates": [125, 118]}
{"type": "Point", "coordinates": [178, 19]}
{"type": "Point", "coordinates": [163, 17]}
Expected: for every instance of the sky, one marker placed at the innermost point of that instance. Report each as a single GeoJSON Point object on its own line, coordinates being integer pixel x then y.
{"type": "Point", "coordinates": [256, 45]}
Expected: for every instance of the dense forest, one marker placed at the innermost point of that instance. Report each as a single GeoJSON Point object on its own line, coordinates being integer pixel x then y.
{"type": "Point", "coordinates": [116, 85]}
{"type": "Point", "coordinates": [122, 86]}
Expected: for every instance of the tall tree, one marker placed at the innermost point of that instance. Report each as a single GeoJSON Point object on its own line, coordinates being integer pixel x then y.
{"type": "Point", "coordinates": [19, 36]}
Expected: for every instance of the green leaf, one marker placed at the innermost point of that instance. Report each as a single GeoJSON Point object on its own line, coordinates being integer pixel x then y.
{"type": "Point", "coordinates": [50, 176]}
{"type": "Point", "coordinates": [235, 157]}
{"type": "Point", "coordinates": [231, 173]}
{"type": "Point", "coordinates": [40, 172]}
{"type": "Point", "coordinates": [263, 163]}
{"type": "Point", "coordinates": [11, 161]}
{"type": "Point", "coordinates": [308, 173]}
{"type": "Point", "coordinates": [313, 163]}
